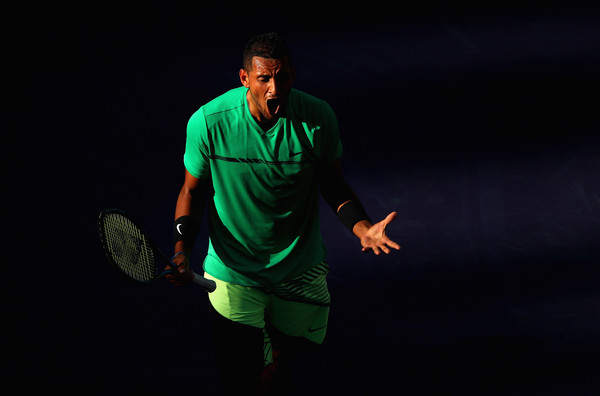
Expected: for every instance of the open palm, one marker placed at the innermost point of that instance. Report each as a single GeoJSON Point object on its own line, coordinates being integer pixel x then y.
{"type": "Point", "coordinates": [376, 239]}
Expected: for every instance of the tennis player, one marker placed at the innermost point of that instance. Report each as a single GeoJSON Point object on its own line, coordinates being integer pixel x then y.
{"type": "Point", "coordinates": [260, 154]}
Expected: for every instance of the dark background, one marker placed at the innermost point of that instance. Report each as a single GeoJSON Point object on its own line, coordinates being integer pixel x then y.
{"type": "Point", "coordinates": [478, 124]}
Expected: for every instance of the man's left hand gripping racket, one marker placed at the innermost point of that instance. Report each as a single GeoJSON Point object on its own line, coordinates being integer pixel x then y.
{"type": "Point", "coordinates": [130, 250]}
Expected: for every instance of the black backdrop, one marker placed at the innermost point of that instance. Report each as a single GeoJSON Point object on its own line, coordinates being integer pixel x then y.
{"type": "Point", "coordinates": [478, 124]}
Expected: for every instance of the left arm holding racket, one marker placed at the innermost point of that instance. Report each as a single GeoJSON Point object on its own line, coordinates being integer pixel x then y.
{"type": "Point", "coordinates": [188, 217]}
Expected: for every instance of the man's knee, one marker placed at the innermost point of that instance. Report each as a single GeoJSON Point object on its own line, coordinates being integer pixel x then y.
{"type": "Point", "coordinates": [239, 354]}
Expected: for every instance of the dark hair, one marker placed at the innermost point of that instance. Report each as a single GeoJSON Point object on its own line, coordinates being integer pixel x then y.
{"type": "Point", "coordinates": [267, 45]}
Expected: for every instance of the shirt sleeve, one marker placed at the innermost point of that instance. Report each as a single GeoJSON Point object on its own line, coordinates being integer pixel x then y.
{"type": "Point", "coordinates": [196, 157]}
{"type": "Point", "coordinates": [329, 136]}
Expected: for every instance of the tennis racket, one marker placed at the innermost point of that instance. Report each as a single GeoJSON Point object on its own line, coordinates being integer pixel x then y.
{"type": "Point", "coordinates": [129, 249]}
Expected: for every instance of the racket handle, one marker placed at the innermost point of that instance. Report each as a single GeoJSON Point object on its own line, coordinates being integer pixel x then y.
{"type": "Point", "coordinates": [208, 284]}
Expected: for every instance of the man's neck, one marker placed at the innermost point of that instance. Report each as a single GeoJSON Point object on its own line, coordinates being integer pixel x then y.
{"type": "Point", "coordinates": [266, 125]}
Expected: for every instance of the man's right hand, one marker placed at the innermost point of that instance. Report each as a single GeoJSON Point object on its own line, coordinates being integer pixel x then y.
{"type": "Point", "coordinates": [183, 274]}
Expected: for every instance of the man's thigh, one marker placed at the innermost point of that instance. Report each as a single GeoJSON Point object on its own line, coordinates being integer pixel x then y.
{"type": "Point", "coordinates": [297, 319]}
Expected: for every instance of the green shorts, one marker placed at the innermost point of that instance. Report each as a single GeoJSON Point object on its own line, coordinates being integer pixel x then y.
{"type": "Point", "coordinates": [297, 308]}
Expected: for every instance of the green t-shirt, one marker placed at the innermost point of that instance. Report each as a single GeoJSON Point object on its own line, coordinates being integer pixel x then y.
{"type": "Point", "coordinates": [264, 216]}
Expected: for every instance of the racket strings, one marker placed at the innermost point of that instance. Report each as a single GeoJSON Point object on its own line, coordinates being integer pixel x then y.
{"type": "Point", "coordinates": [129, 248]}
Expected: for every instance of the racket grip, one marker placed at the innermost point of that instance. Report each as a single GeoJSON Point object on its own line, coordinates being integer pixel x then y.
{"type": "Point", "coordinates": [208, 284]}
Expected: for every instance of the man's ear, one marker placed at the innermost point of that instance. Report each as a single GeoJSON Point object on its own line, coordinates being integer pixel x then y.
{"type": "Point", "coordinates": [244, 78]}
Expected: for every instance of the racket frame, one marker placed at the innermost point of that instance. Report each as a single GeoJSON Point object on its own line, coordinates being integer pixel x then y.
{"type": "Point", "coordinates": [207, 284]}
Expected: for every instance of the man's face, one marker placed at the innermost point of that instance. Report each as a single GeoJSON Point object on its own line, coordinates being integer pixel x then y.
{"type": "Point", "coordinates": [269, 82]}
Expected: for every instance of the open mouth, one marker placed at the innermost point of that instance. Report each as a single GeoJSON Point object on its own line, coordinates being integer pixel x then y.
{"type": "Point", "coordinates": [274, 105]}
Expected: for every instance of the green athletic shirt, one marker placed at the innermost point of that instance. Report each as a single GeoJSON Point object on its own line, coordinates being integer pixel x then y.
{"type": "Point", "coordinates": [264, 215]}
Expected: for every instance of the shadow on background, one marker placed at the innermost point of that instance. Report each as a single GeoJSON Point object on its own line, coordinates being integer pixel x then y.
{"type": "Point", "coordinates": [477, 124]}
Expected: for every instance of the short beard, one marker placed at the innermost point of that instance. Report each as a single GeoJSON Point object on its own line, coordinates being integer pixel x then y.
{"type": "Point", "coordinates": [260, 109]}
